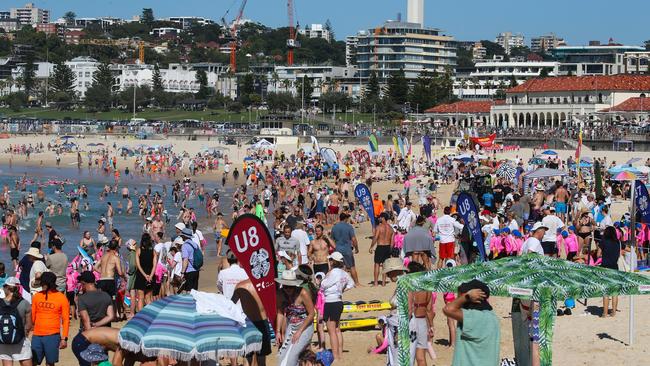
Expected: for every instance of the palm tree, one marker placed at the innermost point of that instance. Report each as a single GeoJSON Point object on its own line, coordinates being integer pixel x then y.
{"type": "Point", "coordinates": [286, 83]}
{"type": "Point", "coordinates": [276, 79]}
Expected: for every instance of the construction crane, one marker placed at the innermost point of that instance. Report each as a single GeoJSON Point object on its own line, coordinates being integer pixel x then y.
{"type": "Point", "coordinates": [292, 43]}
{"type": "Point", "coordinates": [234, 42]}
{"type": "Point", "coordinates": [122, 43]}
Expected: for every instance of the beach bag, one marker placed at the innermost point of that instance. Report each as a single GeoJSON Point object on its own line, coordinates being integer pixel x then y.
{"type": "Point", "coordinates": [197, 258]}
{"type": "Point", "coordinates": [12, 328]}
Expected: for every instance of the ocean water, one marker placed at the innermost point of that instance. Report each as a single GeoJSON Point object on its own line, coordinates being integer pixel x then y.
{"type": "Point", "coordinates": [129, 226]}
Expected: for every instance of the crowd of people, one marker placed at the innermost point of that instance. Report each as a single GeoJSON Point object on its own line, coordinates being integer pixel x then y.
{"type": "Point", "coordinates": [309, 205]}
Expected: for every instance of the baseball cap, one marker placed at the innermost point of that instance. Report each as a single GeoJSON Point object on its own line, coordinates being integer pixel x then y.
{"type": "Point", "coordinates": [538, 225]}
{"type": "Point", "coordinates": [12, 281]}
{"type": "Point", "coordinates": [336, 256]}
{"type": "Point", "coordinates": [283, 254]}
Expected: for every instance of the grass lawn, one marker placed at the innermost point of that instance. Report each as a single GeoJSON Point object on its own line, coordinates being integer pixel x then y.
{"type": "Point", "coordinates": [151, 114]}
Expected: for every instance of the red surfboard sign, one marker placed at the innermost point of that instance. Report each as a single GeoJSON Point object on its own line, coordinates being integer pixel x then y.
{"type": "Point", "coordinates": [250, 240]}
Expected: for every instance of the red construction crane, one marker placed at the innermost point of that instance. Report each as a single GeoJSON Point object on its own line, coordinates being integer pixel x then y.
{"type": "Point", "coordinates": [292, 43]}
{"type": "Point", "coordinates": [234, 42]}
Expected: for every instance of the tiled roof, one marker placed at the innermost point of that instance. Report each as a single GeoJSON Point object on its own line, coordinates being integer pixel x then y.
{"type": "Point", "coordinates": [638, 104]}
{"type": "Point", "coordinates": [462, 106]}
{"type": "Point", "coordinates": [585, 83]}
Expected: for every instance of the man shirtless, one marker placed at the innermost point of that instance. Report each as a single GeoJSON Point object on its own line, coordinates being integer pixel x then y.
{"type": "Point", "coordinates": [218, 226]}
{"type": "Point", "coordinates": [74, 212]}
{"type": "Point", "coordinates": [383, 238]}
{"type": "Point", "coordinates": [319, 250]}
{"type": "Point", "coordinates": [157, 226]}
{"type": "Point", "coordinates": [14, 245]}
{"type": "Point", "coordinates": [561, 199]}
{"type": "Point", "coordinates": [129, 206]}
{"type": "Point", "coordinates": [108, 266]}
{"type": "Point", "coordinates": [253, 307]}
{"type": "Point", "coordinates": [108, 338]}
{"type": "Point", "coordinates": [38, 227]}
{"type": "Point", "coordinates": [109, 215]}
{"type": "Point", "coordinates": [538, 202]}
{"type": "Point", "coordinates": [40, 195]}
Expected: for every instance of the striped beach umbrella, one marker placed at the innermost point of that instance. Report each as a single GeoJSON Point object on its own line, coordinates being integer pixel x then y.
{"type": "Point", "coordinates": [506, 171]}
{"type": "Point", "coordinates": [172, 327]}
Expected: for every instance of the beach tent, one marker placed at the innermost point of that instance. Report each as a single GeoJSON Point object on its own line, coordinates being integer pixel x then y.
{"type": "Point", "coordinates": [545, 173]}
{"type": "Point", "coordinates": [548, 152]}
{"type": "Point", "coordinates": [542, 279]}
{"type": "Point", "coordinates": [262, 144]}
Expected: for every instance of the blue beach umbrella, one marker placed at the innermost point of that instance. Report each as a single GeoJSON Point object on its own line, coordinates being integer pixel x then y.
{"type": "Point", "coordinates": [172, 327]}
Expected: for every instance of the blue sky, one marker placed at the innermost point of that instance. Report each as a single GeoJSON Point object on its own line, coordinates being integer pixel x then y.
{"type": "Point", "coordinates": [578, 21]}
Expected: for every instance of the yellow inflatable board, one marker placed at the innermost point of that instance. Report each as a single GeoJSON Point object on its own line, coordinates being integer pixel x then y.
{"type": "Point", "coordinates": [357, 308]}
{"type": "Point", "coordinates": [356, 323]}
{"type": "Point", "coordinates": [225, 232]}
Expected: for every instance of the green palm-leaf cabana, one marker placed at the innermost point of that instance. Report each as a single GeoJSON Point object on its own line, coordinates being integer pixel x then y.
{"type": "Point", "coordinates": [531, 277]}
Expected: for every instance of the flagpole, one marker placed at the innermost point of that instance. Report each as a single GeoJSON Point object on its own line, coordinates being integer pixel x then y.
{"type": "Point", "coordinates": [632, 243]}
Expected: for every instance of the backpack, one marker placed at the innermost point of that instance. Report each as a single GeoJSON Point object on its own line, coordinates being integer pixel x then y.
{"type": "Point", "coordinates": [197, 257]}
{"type": "Point", "coordinates": [12, 328]}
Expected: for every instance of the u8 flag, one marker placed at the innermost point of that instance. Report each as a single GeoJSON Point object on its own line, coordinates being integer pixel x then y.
{"type": "Point", "coordinates": [466, 207]}
{"type": "Point", "coordinates": [362, 193]}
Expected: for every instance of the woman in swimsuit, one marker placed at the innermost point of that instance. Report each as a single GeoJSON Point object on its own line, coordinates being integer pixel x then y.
{"type": "Point", "coordinates": [421, 323]}
{"type": "Point", "coordinates": [585, 227]}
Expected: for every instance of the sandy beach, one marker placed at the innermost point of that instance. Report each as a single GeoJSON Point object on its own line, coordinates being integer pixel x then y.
{"type": "Point", "coordinates": [580, 339]}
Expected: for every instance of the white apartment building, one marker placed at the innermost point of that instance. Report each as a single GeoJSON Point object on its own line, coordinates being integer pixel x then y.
{"type": "Point", "coordinates": [165, 32]}
{"type": "Point", "coordinates": [315, 31]}
{"type": "Point", "coordinates": [351, 43]}
{"type": "Point", "coordinates": [490, 76]}
{"type": "Point", "coordinates": [30, 14]}
{"type": "Point", "coordinates": [103, 22]}
{"type": "Point", "coordinates": [83, 68]}
{"type": "Point", "coordinates": [478, 51]}
{"type": "Point", "coordinates": [186, 22]}
{"type": "Point", "coordinates": [177, 78]}
{"type": "Point", "coordinates": [508, 40]}
{"type": "Point", "coordinates": [287, 78]}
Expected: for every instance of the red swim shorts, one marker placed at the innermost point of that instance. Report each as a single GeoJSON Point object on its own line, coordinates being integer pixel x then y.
{"type": "Point", "coordinates": [446, 250]}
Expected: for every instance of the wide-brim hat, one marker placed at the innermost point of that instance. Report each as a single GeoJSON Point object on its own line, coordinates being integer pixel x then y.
{"type": "Point", "coordinates": [393, 264]}
{"type": "Point", "coordinates": [187, 233]}
{"type": "Point", "coordinates": [288, 278]}
{"type": "Point", "coordinates": [34, 252]}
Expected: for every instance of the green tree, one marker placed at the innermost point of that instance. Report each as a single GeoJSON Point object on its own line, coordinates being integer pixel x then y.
{"type": "Point", "coordinates": [493, 49]}
{"type": "Point", "coordinates": [330, 29]}
{"type": "Point", "coordinates": [204, 90]}
{"type": "Point", "coordinates": [62, 84]}
{"type": "Point", "coordinates": [142, 97]}
{"type": "Point", "coordinates": [421, 96]}
{"type": "Point", "coordinates": [69, 18]}
{"type": "Point", "coordinates": [147, 16]}
{"type": "Point", "coordinates": [100, 94]}
{"type": "Point", "coordinates": [372, 89]}
{"type": "Point", "coordinates": [246, 84]}
{"type": "Point", "coordinates": [160, 97]}
{"type": "Point", "coordinates": [304, 84]}
{"type": "Point", "coordinates": [28, 76]}
{"type": "Point", "coordinates": [328, 101]}
{"type": "Point", "coordinates": [513, 81]}
{"type": "Point", "coordinates": [282, 101]}
{"type": "Point", "coordinates": [397, 88]}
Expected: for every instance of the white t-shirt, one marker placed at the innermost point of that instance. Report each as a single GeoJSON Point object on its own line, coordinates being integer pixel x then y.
{"type": "Point", "coordinates": [229, 278]}
{"type": "Point", "coordinates": [446, 227]}
{"type": "Point", "coordinates": [197, 238]}
{"type": "Point", "coordinates": [38, 267]}
{"type": "Point", "coordinates": [532, 245]}
{"type": "Point", "coordinates": [406, 218]}
{"type": "Point", "coordinates": [178, 268]}
{"type": "Point", "coordinates": [335, 282]}
{"type": "Point", "coordinates": [553, 223]}
{"type": "Point", "coordinates": [303, 238]}
{"type": "Point", "coordinates": [158, 248]}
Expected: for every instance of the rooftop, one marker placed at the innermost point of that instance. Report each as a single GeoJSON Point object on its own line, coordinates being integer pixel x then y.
{"type": "Point", "coordinates": [463, 106]}
{"type": "Point", "coordinates": [638, 104]}
{"type": "Point", "coordinates": [585, 83]}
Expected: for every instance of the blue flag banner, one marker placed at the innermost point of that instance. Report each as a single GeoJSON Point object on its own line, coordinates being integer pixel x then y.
{"type": "Point", "coordinates": [426, 141]}
{"type": "Point", "coordinates": [642, 201]}
{"type": "Point", "coordinates": [466, 207]}
{"type": "Point", "coordinates": [362, 193]}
